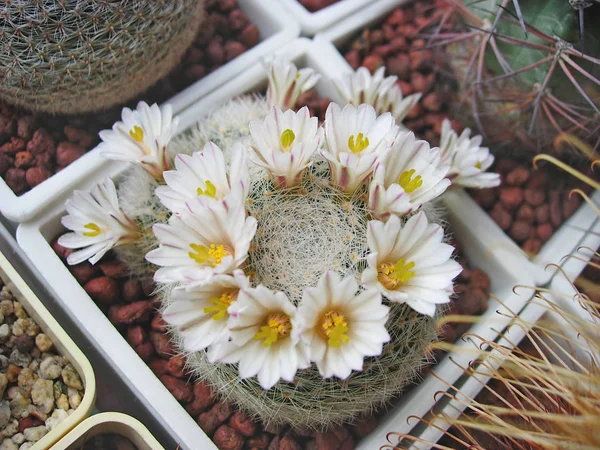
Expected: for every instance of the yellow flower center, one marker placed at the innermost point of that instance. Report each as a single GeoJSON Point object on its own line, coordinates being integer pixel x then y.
{"type": "Point", "coordinates": [209, 189]}
{"type": "Point", "coordinates": [408, 183]}
{"type": "Point", "coordinates": [211, 255]}
{"type": "Point", "coordinates": [333, 326]}
{"type": "Point", "coordinates": [478, 165]}
{"type": "Point", "coordinates": [393, 275]}
{"type": "Point", "coordinates": [219, 310]}
{"type": "Point", "coordinates": [278, 326]}
{"type": "Point", "coordinates": [358, 144]}
{"type": "Point", "coordinates": [96, 230]}
{"type": "Point", "coordinates": [287, 139]}
{"type": "Point", "coordinates": [137, 134]}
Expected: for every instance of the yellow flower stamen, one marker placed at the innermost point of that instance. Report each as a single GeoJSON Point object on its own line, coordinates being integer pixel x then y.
{"type": "Point", "coordinates": [359, 144]}
{"type": "Point", "coordinates": [137, 134]}
{"type": "Point", "coordinates": [408, 183]}
{"type": "Point", "coordinates": [219, 310]}
{"type": "Point", "coordinates": [393, 275]}
{"type": "Point", "coordinates": [478, 165]}
{"type": "Point", "coordinates": [212, 255]}
{"type": "Point", "coordinates": [278, 326]}
{"type": "Point", "coordinates": [96, 230]}
{"type": "Point", "coordinates": [209, 189]}
{"type": "Point", "coordinates": [287, 139]}
{"type": "Point", "coordinates": [334, 326]}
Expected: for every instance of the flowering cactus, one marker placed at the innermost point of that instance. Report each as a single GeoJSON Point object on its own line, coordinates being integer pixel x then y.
{"type": "Point", "coordinates": [289, 256]}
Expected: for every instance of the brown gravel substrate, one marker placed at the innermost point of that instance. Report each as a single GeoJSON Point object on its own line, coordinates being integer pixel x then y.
{"type": "Point", "coordinates": [530, 205]}
{"type": "Point", "coordinates": [316, 5]}
{"type": "Point", "coordinates": [395, 43]}
{"type": "Point", "coordinates": [132, 309]}
{"type": "Point", "coordinates": [33, 147]}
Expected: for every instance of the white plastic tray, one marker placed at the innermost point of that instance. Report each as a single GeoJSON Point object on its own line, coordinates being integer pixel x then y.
{"type": "Point", "coordinates": [470, 225]}
{"type": "Point", "coordinates": [562, 241]}
{"type": "Point", "coordinates": [276, 27]}
{"type": "Point", "coordinates": [314, 22]}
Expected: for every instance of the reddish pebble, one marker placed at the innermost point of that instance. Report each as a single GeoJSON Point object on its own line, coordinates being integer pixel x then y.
{"type": "Point", "coordinates": [511, 197]}
{"type": "Point", "coordinates": [287, 443]}
{"type": "Point", "coordinates": [405, 87]}
{"type": "Point", "coordinates": [532, 246]}
{"type": "Point", "coordinates": [83, 272]}
{"type": "Point", "coordinates": [15, 179]}
{"type": "Point", "coordinates": [24, 160]}
{"type": "Point", "coordinates": [242, 424]}
{"type": "Point", "coordinates": [373, 62]}
{"type": "Point", "coordinates": [15, 145]}
{"type": "Point", "coordinates": [525, 213]}
{"type": "Point", "coordinates": [131, 290]}
{"type": "Point", "coordinates": [29, 422]}
{"type": "Point", "coordinates": [37, 175]}
{"type": "Point", "coordinates": [237, 19]}
{"type": "Point", "coordinates": [176, 366]}
{"type": "Point", "coordinates": [331, 439]}
{"type": "Point", "coordinates": [78, 136]}
{"type": "Point", "coordinates": [162, 345]}
{"type": "Point", "coordinates": [555, 209]}
{"type": "Point", "coordinates": [397, 17]}
{"type": "Point", "coordinates": [353, 58]}
{"type": "Point", "coordinates": [537, 180]}
{"type": "Point", "coordinates": [131, 313]}
{"type": "Point", "coordinates": [61, 252]}
{"type": "Point", "coordinates": [6, 163]}
{"type": "Point", "coordinates": [114, 268]}
{"type": "Point", "coordinates": [25, 127]}
{"type": "Point", "coordinates": [431, 102]}
{"type": "Point", "coordinates": [203, 399]}
{"type": "Point", "coordinates": [480, 280]}
{"type": "Point", "coordinates": [208, 422]}
{"type": "Point", "coordinates": [364, 425]}
{"type": "Point", "coordinates": [544, 231]}
{"type": "Point", "coordinates": [542, 213]}
{"type": "Point", "coordinates": [260, 442]}
{"type": "Point", "coordinates": [145, 350]}
{"type": "Point", "coordinates": [216, 53]}
{"type": "Point", "coordinates": [501, 217]}
{"type": "Point", "coordinates": [103, 290]}
{"type": "Point", "coordinates": [233, 49]}
{"type": "Point", "coordinates": [519, 231]}
{"type": "Point", "coordinates": [158, 323]}
{"type": "Point", "coordinates": [136, 335]}
{"type": "Point", "coordinates": [181, 390]}
{"type": "Point", "coordinates": [348, 444]}
{"type": "Point", "coordinates": [67, 152]}
{"type": "Point", "coordinates": [226, 438]}
{"type": "Point", "coordinates": [535, 197]}
{"type": "Point", "coordinates": [250, 35]}
{"type": "Point", "coordinates": [485, 197]}
{"type": "Point", "coordinates": [473, 302]}
{"type": "Point", "coordinates": [398, 65]}
{"type": "Point", "coordinates": [518, 176]}
{"type": "Point", "coordinates": [158, 366]}
{"type": "Point", "coordinates": [41, 142]}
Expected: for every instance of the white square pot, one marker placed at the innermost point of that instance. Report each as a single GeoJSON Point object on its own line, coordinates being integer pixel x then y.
{"type": "Point", "coordinates": [470, 225]}
{"type": "Point", "coordinates": [276, 27]}
{"type": "Point", "coordinates": [563, 240]}
{"type": "Point", "coordinates": [312, 23]}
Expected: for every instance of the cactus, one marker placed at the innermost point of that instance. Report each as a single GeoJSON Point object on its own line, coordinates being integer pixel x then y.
{"type": "Point", "coordinates": [281, 244]}
{"type": "Point", "coordinates": [525, 75]}
{"type": "Point", "coordinates": [67, 56]}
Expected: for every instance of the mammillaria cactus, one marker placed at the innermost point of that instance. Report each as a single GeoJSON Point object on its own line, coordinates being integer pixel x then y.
{"type": "Point", "coordinates": [297, 263]}
{"type": "Point", "coordinates": [68, 56]}
{"type": "Point", "coordinates": [530, 71]}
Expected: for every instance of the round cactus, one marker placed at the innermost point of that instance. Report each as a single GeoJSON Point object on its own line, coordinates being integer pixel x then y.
{"type": "Point", "coordinates": [71, 57]}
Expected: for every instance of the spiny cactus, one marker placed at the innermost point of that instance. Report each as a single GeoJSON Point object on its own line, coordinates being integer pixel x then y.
{"type": "Point", "coordinates": [258, 265]}
{"type": "Point", "coordinates": [524, 73]}
{"type": "Point", "coordinates": [69, 56]}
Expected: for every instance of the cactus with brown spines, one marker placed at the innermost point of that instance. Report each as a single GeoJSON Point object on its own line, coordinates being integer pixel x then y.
{"type": "Point", "coordinates": [68, 56]}
{"type": "Point", "coordinates": [530, 71]}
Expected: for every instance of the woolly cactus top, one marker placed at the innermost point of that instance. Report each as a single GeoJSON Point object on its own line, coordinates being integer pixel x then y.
{"type": "Point", "coordinates": [297, 259]}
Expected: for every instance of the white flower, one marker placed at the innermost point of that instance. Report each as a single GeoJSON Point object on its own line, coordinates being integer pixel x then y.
{"type": "Point", "coordinates": [203, 174]}
{"type": "Point", "coordinates": [285, 143]}
{"type": "Point", "coordinates": [97, 223]}
{"type": "Point", "coordinates": [468, 160]}
{"type": "Point", "coordinates": [286, 83]}
{"type": "Point", "coordinates": [409, 175]}
{"type": "Point", "coordinates": [355, 138]}
{"type": "Point", "coordinates": [141, 137]}
{"type": "Point", "coordinates": [410, 264]}
{"type": "Point", "coordinates": [265, 337]}
{"type": "Point", "coordinates": [207, 239]}
{"type": "Point", "coordinates": [381, 93]}
{"type": "Point", "coordinates": [341, 328]}
{"type": "Point", "coordinates": [199, 312]}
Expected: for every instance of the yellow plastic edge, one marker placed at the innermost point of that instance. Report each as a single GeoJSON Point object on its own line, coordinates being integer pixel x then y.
{"type": "Point", "coordinates": [110, 422]}
{"type": "Point", "coordinates": [62, 342]}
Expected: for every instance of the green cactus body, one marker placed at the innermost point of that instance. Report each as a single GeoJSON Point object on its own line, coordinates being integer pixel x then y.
{"type": "Point", "coordinates": [73, 57]}
{"type": "Point", "coordinates": [334, 230]}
